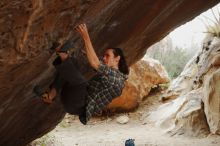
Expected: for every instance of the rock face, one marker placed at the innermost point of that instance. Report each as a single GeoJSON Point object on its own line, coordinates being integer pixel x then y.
{"type": "Point", "coordinates": [28, 28]}
{"type": "Point", "coordinates": [196, 109]}
{"type": "Point", "coordinates": [212, 101]}
{"type": "Point", "coordinates": [144, 75]}
{"type": "Point", "coordinates": [183, 116]}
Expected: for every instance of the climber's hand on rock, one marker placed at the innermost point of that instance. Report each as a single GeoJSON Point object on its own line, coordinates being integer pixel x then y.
{"type": "Point", "coordinates": [83, 31]}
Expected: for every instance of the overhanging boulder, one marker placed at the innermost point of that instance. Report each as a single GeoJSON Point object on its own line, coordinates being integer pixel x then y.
{"type": "Point", "coordinates": [29, 28]}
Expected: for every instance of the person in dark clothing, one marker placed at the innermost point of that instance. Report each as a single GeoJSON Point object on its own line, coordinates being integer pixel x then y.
{"type": "Point", "coordinates": [82, 97]}
{"type": "Point", "coordinates": [71, 85]}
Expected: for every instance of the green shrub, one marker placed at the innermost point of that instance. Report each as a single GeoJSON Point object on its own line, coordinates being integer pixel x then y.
{"type": "Point", "coordinates": [212, 25]}
{"type": "Point", "coordinates": [173, 60]}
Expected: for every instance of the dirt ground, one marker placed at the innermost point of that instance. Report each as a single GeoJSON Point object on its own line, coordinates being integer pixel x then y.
{"type": "Point", "coordinates": [106, 131]}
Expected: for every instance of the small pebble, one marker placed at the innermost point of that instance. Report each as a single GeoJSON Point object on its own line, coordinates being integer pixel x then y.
{"type": "Point", "coordinates": [122, 119]}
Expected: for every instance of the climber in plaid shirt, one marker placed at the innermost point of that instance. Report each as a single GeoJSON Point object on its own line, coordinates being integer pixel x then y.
{"type": "Point", "coordinates": [108, 83]}
{"type": "Point", "coordinates": [103, 88]}
{"type": "Point", "coordinates": [79, 96]}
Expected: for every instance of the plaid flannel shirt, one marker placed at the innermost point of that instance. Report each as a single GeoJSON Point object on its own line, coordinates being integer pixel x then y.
{"type": "Point", "coordinates": [103, 88]}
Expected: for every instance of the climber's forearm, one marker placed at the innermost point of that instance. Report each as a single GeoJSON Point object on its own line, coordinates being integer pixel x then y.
{"type": "Point", "coordinates": [90, 52]}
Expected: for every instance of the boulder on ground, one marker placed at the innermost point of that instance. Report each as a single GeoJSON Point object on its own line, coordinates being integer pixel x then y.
{"type": "Point", "coordinates": [196, 109]}
{"type": "Point", "coordinates": [144, 75]}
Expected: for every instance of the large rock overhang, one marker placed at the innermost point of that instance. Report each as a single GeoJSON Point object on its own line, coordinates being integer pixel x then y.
{"type": "Point", "coordinates": [28, 29]}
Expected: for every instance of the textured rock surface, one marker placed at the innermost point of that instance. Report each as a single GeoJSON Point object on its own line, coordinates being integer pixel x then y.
{"type": "Point", "coordinates": [192, 75]}
{"type": "Point", "coordinates": [196, 110]}
{"type": "Point", "coordinates": [29, 27]}
{"type": "Point", "coordinates": [190, 119]}
{"type": "Point", "coordinates": [184, 115]}
{"type": "Point", "coordinates": [144, 75]}
{"type": "Point", "coordinates": [212, 101]}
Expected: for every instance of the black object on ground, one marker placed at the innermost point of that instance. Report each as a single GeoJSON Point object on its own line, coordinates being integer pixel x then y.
{"type": "Point", "coordinates": [129, 142]}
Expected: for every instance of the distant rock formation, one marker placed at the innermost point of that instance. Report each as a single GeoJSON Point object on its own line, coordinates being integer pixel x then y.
{"type": "Point", "coordinates": [195, 110]}
{"type": "Point", "coordinates": [144, 75]}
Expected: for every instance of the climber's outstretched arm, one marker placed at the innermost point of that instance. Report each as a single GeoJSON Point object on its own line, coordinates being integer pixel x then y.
{"type": "Point", "coordinates": [90, 52]}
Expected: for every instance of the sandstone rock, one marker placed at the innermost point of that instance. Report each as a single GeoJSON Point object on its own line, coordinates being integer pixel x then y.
{"type": "Point", "coordinates": [144, 75]}
{"type": "Point", "coordinates": [190, 119]}
{"type": "Point", "coordinates": [212, 101]}
{"type": "Point", "coordinates": [192, 74]}
{"type": "Point", "coordinates": [184, 115]}
{"type": "Point", "coordinates": [196, 110]}
{"type": "Point", "coordinates": [29, 28]}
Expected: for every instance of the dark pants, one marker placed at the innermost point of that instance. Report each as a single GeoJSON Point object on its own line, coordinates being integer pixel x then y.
{"type": "Point", "coordinates": [71, 85]}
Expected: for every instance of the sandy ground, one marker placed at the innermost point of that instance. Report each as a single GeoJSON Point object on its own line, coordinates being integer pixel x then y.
{"type": "Point", "coordinates": [106, 131]}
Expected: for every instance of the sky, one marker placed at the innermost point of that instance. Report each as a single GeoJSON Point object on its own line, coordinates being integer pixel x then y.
{"type": "Point", "coordinates": [192, 30]}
